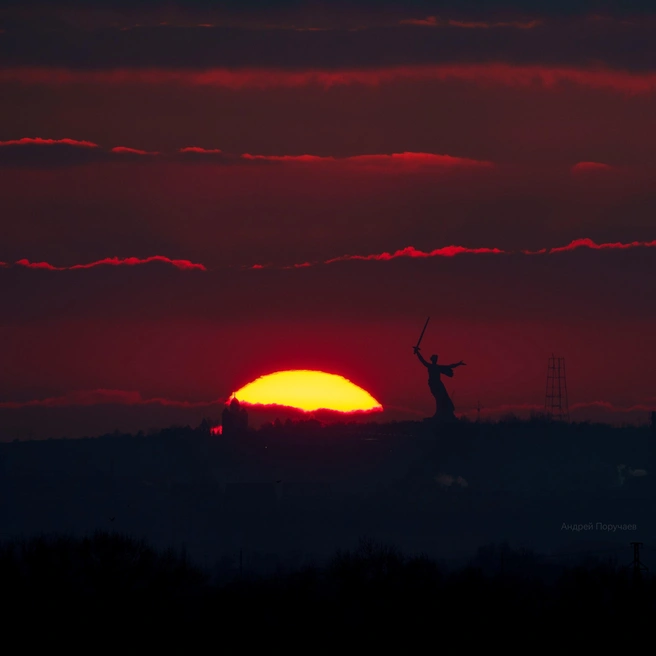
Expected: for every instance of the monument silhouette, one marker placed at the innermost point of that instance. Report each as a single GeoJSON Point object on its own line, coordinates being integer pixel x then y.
{"type": "Point", "coordinates": [444, 408]}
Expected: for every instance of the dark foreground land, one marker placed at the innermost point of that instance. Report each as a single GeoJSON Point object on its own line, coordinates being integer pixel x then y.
{"type": "Point", "coordinates": [297, 492]}
{"type": "Point", "coordinates": [106, 587]}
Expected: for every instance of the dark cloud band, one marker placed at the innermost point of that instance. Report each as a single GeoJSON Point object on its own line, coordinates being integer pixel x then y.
{"type": "Point", "coordinates": [411, 41]}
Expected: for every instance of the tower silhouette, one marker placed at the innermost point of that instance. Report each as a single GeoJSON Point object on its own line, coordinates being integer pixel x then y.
{"type": "Point", "coordinates": [555, 398]}
{"type": "Point", "coordinates": [637, 565]}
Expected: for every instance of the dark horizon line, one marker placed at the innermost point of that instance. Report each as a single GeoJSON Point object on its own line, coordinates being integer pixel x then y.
{"type": "Point", "coordinates": [538, 418]}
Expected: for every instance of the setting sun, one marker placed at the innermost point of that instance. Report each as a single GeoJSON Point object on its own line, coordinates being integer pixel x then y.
{"type": "Point", "coordinates": [309, 391]}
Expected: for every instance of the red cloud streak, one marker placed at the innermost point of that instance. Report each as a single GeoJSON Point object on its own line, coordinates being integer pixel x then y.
{"type": "Point", "coordinates": [131, 151]}
{"type": "Point", "coordinates": [184, 265]}
{"type": "Point", "coordinates": [429, 21]}
{"type": "Point", "coordinates": [197, 149]}
{"type": "Point", "coordinates": [102, 397]}
{"type": "Point", "coordinates": [451, 251]}
{"type": "Point", "coordinates": [482, 74]}
{"type": "Point", "coordinates": [408, 251]}
{"type": "Point", "coordinates": [519, 25]}
{"type": "Point", "coordinates": [28, 141]}
{"type": "Point", "coordinates": [434, 21]}
{"type": "Point", "coordinates": [421, 159]}
{"type": "Point", "coordinates": [588, 243]}
{"type": "Point", "coordinates": [289, 158]}
{"type": "Point", "coordinates": [401, 159]}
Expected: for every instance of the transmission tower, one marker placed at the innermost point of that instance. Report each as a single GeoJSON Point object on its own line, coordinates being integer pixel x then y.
{"type": "Point", "coordinates": [555, 398]}
{"type": "Point", "coordinates": [637, 565]}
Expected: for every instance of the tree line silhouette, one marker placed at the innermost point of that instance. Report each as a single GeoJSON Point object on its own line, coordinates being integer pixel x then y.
{"type": "Point", "coordinates": [110, 582]}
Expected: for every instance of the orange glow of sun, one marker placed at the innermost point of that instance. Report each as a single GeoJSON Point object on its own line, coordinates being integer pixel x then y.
{"type": "Point", "coordinates": [309, 391]}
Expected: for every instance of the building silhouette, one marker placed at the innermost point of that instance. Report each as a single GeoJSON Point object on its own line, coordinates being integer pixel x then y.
{"type": "Point", "coordinates": [234, 419]}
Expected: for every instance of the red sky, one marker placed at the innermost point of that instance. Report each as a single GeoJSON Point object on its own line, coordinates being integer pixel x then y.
{"type": "Point", "coordinates": [145, 171]}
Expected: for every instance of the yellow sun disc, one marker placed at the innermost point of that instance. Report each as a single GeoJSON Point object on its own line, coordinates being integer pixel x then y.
{"type": "Point", "coordinates": [307, 390]}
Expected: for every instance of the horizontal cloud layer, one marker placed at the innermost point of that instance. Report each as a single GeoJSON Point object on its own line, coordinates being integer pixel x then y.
{"type": "Point", "coordinates": [480, 74]}
{"type": "Point", "coordinates": [573, 408]}
{"type": "Point", "coordinates": [408, 252]}
{"type": "Point", "coordinates": [29, 141]}
{"type": "Point", "coordinates": [451, 251]}
{"type": "Point", "coordinates": [399, 159]}
{"type": "Point", "coordinates": [54, 152]}
{"type": "Point", "coordinates": [184, 265]}
{"type": "Point", "coordinates": [435, 21]}
{"type": "Point", "coordinates": [255, 11]}
{"type": "Point", "coordinates": [102, 397]}
{"type": "Point", "coordinates": [124, 150]}
{"type": "Point", "coordinates": [588, 243]}
{"type": "Point", "coordinates": [523, 39]}
{"type": "Point", "coordinates": [198, 150]}
{"type": "Point", "coordinates": [584, 167]}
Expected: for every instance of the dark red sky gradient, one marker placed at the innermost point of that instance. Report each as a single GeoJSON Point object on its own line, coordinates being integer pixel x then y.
{"type": "Point", "coordinates": [146, 168]}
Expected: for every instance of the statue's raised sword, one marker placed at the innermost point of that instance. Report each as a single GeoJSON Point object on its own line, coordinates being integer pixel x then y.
{"type": "Point", "coordinates": [416, 348]}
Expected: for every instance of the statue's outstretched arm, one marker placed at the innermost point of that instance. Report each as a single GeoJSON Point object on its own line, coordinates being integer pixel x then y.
{"type": "Point", "coordinates": [421, 358]}
{"type": "Point", "coordinates": [457, 364]}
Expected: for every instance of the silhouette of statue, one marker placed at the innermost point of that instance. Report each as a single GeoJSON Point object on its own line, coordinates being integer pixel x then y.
{"type": "Point", "coordinates": [444, 408]}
